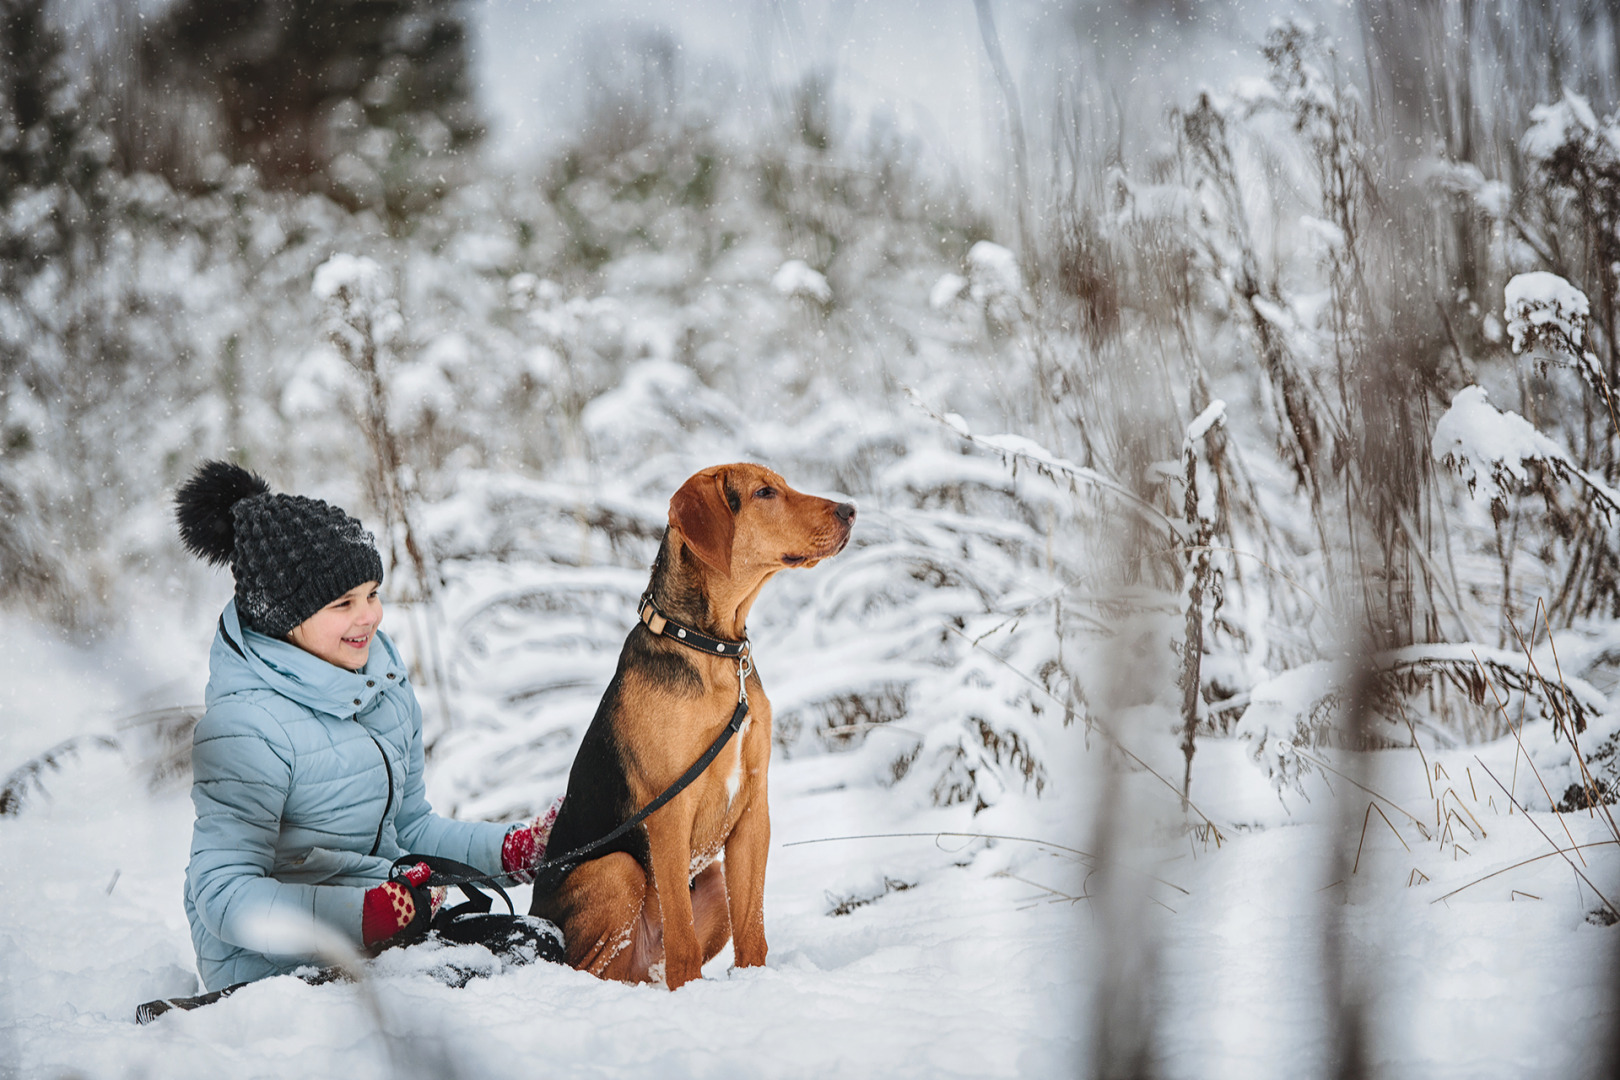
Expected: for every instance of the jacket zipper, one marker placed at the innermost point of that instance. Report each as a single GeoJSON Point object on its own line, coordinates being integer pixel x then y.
{"type": "Point", "coordinates": [377, 843]}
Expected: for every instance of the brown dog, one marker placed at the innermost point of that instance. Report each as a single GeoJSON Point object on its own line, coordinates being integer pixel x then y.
{"type": "Point", "coordinates": [658, 903]}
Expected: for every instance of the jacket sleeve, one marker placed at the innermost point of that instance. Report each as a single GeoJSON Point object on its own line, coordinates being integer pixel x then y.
{"type": "Point", "coordinates": [241, 763]}
{"type": "Point", "coordinates": [422, 832]}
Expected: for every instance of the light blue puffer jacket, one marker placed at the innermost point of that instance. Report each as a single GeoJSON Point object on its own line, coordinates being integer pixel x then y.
{"type": "Point", "coordinates": [307, 781]}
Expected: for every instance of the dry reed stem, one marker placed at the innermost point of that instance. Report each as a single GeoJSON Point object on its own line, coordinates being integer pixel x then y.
{"type": "Point", "coordinates": [1190, 548]}
{"type": "Point", "coordinates": [1412, 729]}
{"type": "Point", "coordinates": [1052, 467]}
{"type": "Point", "coordinates": [1434, 578]}
{"type": "Point", "coordinates": [1057, 893]}
{"type": "Point", "coordinates": [1460, 805]}
{"type": "Point", "coordinates": [1452, 815]}
{"type": "Point", "coordinates": [1554, 699]}
{"type": "Point", "coordinates": [1319, 763]}
{"type": "Point", "coordinates": [1518, 738]}
{"type": "Point", "coordinates": [1556, 849]}
{"type": "Point", "coordinates": [1365, 819]}
{"type": "Point", "coordinates": [1593, 795]}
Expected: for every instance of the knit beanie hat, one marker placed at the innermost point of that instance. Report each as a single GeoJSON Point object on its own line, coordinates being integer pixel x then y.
{"type": "Point", "coordinates": [290, 555]}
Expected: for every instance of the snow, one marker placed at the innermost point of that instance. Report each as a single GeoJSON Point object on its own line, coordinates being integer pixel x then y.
{"type": "Point", "coordinates": [357, 275]}
{"type": "Point", "coordinates": [995, 282]}
{"type": "Point", "coordinates": [1489, 450]}
{"type": "Point", "coordinates": [993, 270]}
{"type": "Point", "coordinates": [958, 957]}
{"type": "Point", "coordinates": [946, 978]}
{"type": "Point", "coordinates": [1543, 305]}
{"type": "Point", "coordinates": [1551, 126]}
{"type": "Point", "coordinates": [947, 290]}
{"type": "Point", "coordinates": [796, 278]}
{"type": "Point", "coordinates": [1214, 413]}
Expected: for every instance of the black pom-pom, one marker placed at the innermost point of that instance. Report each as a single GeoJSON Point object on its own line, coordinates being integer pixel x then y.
{"type": "Point", "coordinates": [202, 507]}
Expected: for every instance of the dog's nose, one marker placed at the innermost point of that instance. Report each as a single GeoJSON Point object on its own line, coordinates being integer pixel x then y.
{"type": "Point", "coordinates": [845, 512]}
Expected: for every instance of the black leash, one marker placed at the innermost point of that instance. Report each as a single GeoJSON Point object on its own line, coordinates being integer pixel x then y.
{"type": "Point", "coordinates": [460, 874]}
{"type": "Point", "coordinates": [450, 872]}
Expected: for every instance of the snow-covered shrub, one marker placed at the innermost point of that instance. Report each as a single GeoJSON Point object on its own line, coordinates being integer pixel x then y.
{"type": "Point", "coordinates": [1501, 454]}
{"type": "Point", "coordinates": [996, 285]}
{"type": "Point", "coordinates": [1494, 453]}
{"type": "Point", "coordinates": [1290, 717]}
{"type": "Point", "coordinates": [795, 278]}
{"type": "Point", "coordinates": [1547, 319]}
{"type": "Point", "coordinates": [1545, 312]}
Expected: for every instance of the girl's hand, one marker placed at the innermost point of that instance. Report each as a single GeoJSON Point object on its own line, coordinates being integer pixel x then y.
{"type": "Point", "coordinates": [399, 912]}
{"type": "Point", "coordinates": [525, 845]}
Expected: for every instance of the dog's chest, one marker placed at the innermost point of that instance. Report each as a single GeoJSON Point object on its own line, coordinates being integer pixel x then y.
{"type": "Point", "coordinates": [729, 795]}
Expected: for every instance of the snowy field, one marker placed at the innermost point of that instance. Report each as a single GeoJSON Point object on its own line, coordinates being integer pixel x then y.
{"type": "Point", "coordinates": [914, 956]}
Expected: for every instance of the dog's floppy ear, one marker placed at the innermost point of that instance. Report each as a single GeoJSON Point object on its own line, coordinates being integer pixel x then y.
{"type": "Point", "coordinates": [702, 514]}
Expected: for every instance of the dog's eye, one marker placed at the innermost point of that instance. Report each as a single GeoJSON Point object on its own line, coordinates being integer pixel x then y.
{"type": "Point", "coordinates": [765, 493]}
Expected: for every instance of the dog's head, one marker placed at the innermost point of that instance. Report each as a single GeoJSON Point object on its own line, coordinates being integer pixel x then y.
{"type": "Point", "coordinates": [743, 522]}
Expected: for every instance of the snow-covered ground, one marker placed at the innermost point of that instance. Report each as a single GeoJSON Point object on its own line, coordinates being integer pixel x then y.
{"type": "Point", "coordinates": [902, 955]}
{"type": "Point", "coordinates": [981, 864]}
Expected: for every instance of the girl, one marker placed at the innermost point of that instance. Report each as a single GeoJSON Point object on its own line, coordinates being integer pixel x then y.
{"type": "Point", "coordinates": [307, 766]}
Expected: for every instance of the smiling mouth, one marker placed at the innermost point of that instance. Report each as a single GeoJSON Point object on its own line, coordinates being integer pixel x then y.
{"type": "Point", "coordinates": [358, 642]}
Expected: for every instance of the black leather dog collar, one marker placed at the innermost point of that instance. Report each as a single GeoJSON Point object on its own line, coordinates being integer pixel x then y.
{"type": "Point", "coordinates": [659, 623]}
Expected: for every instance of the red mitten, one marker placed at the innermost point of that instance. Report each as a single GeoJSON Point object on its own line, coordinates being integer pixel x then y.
{"type": "Point", "coordinates": [525, 845]}
{"type": "Point", "coordinates": [399, 912]}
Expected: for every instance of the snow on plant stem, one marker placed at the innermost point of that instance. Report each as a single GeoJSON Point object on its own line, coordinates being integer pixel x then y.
{"type": "Point", "coordinates": [796, 278]}
{"type": "Point", "coordinates": [1298, 710]}
{"type": "Point", "coordinates": [1200, 507]}
{"type": "Point", "coordinates": [1544, 309]}
{"type": "Point", "coordinates": [1490, 451]}
{"type": "Point", "coordinates": [1018, 449]}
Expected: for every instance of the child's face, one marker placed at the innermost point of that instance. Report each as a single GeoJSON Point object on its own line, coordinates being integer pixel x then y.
{"type": "Point", "coordinates": [341, 632]}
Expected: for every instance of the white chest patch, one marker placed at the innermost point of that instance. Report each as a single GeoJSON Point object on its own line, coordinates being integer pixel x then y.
{"type": "Point", "coordinates": [734, 781]}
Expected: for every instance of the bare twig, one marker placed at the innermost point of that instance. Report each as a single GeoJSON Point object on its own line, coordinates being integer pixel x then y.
{"type": "Point", "coordinates": [1365, 820]}
{"type": "Point", "coordinates": [1519, 740]}
{"type": "Point", "coordinates": [1556, 849]}
{"type": "Point", "coordinates": [1319, 763]}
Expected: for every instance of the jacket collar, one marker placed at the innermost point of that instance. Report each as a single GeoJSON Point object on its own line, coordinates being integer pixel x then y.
{"type": "Point", "coordinates": [244, 659]}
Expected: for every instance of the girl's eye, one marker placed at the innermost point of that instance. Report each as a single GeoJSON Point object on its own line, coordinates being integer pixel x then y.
{"type": "Point", "coordinates": [765, 493]}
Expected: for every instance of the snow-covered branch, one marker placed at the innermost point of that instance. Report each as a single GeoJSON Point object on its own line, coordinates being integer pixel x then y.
{"type": "Point", "coordinates": [1493, 452]}
{"type": "Point", "coordinates": [1018, 450]}
{"type": "Point", "coordinates": [1303, 708]}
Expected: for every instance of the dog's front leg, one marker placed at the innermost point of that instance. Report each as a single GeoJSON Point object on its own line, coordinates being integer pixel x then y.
{"type": "Point", "coordinates": [670, 847]}
{"type": "Point", "coordinates": [746, 848]}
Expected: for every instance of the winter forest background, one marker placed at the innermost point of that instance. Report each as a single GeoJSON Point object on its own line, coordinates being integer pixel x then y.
{"type": "Point", "coordinates": [1226, 650]}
